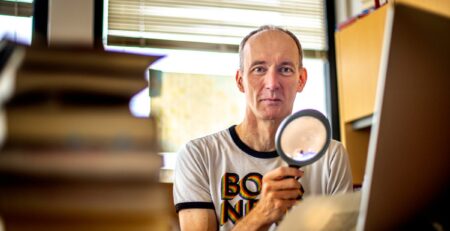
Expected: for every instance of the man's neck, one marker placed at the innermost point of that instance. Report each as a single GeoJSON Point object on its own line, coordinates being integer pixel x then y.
{"type": "Point", "coordinates": [258, 134]}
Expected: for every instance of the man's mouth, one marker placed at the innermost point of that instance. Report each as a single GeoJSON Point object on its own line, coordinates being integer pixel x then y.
{"type": "Point", "coordinates": [270, 100]}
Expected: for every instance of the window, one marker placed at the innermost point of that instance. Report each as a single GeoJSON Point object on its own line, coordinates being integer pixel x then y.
{"type": "Point", "coordinates": [210, 24]}
{"type": "Point", "coordinates": [16, 20]}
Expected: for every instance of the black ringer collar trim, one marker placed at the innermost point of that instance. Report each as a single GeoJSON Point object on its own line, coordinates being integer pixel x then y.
{"type": "Point", "coordinates": [247, 149]}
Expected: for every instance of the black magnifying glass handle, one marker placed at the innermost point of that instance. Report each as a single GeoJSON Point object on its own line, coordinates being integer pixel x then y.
{"type": "Point", "coordinates": [300, 196]}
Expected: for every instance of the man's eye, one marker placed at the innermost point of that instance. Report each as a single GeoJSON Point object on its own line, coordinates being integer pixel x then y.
{"type": "Point", "coordinates": [259, 70]}
{"type": "Point", "coordinates": [286, 70]}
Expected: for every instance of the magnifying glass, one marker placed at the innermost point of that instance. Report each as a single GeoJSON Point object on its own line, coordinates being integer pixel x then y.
{"type": "Point", "coordinates": [303, 137]}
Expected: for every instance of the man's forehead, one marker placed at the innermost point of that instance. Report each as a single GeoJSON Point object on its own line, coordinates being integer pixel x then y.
{"type": "Point", "coordinates": [274, 42]}
{"type": "Point", "coordinates": [267, 36]}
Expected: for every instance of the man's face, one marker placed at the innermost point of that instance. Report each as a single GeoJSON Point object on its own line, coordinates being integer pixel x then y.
{"type": "Point", "coordinates": [270, 76]}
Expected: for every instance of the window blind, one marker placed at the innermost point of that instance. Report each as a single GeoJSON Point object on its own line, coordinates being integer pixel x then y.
{"type": "Point", "coordinates": [217, 24]}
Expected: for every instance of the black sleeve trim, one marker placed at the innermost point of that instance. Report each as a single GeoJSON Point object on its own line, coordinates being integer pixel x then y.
{"type": "Point", "coordinates": [194, 205]}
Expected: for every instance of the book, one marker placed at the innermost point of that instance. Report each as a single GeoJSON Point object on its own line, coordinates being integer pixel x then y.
{"type": "Point", "coordinates": [79, 128]}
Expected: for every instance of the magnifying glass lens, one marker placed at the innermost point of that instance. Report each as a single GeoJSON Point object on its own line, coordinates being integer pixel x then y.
{"type": "Point", "coordinates": [303, 138]}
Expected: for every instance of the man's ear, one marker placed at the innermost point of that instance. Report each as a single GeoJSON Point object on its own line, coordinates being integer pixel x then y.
{"type": "Point", "coordinates": [239, 80]}
{"type": "Point", "coordinates": [302, 78]}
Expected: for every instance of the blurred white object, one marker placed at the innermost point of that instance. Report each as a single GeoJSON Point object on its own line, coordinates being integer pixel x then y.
{"type": "Point", "coordinates": [7, 81]}
{"type": "Point", "coordinates": [338, 212]}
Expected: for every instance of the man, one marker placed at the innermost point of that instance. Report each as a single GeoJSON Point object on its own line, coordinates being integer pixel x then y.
{"type": "Point", "coordinates": [219, 179]}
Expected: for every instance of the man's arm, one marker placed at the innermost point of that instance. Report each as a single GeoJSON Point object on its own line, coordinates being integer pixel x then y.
{"type": "Point", "coordinates": [197, 219]}
{"type": "Point", "coordinates": [192, 197]}
{"type": "Point", "coordinates": [341, 175]}
{"type": "Point", "coordinates": [279, 193]}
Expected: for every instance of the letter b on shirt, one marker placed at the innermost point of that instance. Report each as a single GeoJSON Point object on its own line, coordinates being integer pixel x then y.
{"type": "Point", "coordinates": [248, 188]}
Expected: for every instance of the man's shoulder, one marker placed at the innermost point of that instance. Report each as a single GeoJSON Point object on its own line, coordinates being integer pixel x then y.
{"type": "Point", "coordinates": [203, 148]}
{"type": "Point", "coordinates": [336, 150]}
{"type": "Point", "coordinates": [203, 143]}
{"type": "Point", "coordinates": [213, 137]}
{"type": "Point", "coordinates": [335, 144]}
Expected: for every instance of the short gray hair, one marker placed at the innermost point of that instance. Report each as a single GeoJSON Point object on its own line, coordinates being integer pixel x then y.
{"type": "Point", "coordinates": [265, 28]}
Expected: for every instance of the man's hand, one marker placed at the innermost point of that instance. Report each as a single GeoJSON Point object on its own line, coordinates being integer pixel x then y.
{"type": "Point", "coordinates": [279, 193]}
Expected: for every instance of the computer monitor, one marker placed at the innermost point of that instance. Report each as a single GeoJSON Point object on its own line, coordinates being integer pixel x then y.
{"type": "Point", "coordinates": [407, 173]}
{"type": "Point", "coordinates": [409, 149]}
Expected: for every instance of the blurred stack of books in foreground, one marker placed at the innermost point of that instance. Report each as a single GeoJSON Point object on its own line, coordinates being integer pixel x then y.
{"type": "Point", "coordinates": [72, 155]}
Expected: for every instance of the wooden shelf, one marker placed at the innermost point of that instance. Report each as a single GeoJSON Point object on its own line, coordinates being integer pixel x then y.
{"type": "Point", "coordinates": [362, 123]}
{"type": "Point", "coordinates": [358, 51]}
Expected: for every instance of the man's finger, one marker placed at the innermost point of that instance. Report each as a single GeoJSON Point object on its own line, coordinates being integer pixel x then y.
{"type": "Point", "coordinates": [283, 172]}
{"type": "Point", "coordinates": [284, 184]}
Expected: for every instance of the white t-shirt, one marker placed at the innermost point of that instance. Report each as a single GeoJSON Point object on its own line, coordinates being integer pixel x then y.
{"type": "Point", "coordinates": [220, 172]}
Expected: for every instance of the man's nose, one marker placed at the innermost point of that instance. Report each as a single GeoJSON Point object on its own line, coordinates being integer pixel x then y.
{"type": "Point", "coordinates": [271, 80]}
